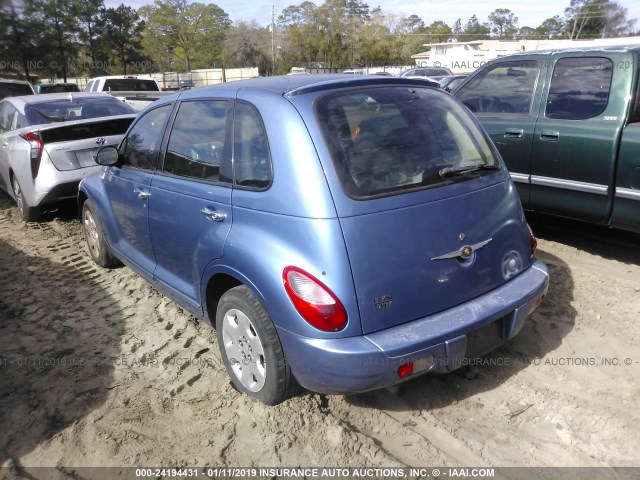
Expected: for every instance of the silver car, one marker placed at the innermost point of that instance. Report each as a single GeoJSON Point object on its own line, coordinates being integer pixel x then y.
{"type": "Point", "coordinates": [48, 142]}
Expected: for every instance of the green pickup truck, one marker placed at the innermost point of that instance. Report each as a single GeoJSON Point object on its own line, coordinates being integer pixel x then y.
{"type": "Point", "coordinates": [567, 124]}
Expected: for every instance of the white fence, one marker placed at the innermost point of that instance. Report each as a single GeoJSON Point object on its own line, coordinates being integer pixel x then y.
{"type": "Point", "coordinates": [171, 80]}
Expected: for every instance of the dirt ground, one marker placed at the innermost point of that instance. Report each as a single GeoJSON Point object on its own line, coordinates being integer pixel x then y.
{"type": "Point", "coordinates": [98, 369]}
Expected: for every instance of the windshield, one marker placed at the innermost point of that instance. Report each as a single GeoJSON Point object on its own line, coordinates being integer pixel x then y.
{"type": "Point", "coordinates": [76, 109]}
{"type": "Point", "coordinates": [387, 140]}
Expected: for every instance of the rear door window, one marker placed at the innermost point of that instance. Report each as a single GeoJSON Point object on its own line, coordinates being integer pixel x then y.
{"type": "Point", "coordinates": [504, 89]}
{"type": "Point", "coordinates": [579, 88]}
{"type": "Point", "coordinates": [388, 140]}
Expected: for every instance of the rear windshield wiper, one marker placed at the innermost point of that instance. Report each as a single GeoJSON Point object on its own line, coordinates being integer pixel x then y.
{"type": "Point", "coordinates": [449, 171]}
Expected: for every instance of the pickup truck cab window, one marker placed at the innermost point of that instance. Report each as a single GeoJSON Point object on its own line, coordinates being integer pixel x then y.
{"type": "Point", "coordinates": [142, 145]}
{"type": "Point", "coordinates": [579, 88]}
{"type": "Point", "coordinates": [197, 143]}
{"type": "Point", "coordinates": [504, 89]}
{"type": "Point", "coordinates": [634, 116]}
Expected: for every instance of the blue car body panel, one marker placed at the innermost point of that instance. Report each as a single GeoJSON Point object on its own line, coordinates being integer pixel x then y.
{"type": "Point", "coordinates": [388, 259]}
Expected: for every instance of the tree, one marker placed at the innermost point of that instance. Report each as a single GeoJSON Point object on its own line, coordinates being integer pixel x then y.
{"type": "Point", "coordinates": [439, 32]}
{"type": "Point", "coordinates": [474, 30]}
{"type": "Point", "coordinates": [596, 18]}
{"type": "Point", "coordinates": [503, 22]}
{"type": "Point", "coordinates": [91, 25]}
{"type": "Point", "coordinates": [56, 20]}
{"type": "Point", "coordinates": [192, 32]}
{"type": "Point", "coordinates": [528, 33]}
{"type": "Point", "coordinates": [457, 27]}
{"type": "Point", "coordinates": [551, 28]}
{"type": "Point", "coordinates": [17, 32]}
{"type": "Point", "coordinates": [410, 24]}
{"type": "Point", "coordinates": [247, 44]}
{"type": "Point", "coordinates": [123, 32]}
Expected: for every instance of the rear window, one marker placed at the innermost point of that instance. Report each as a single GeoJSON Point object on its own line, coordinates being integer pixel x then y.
{"type": "Point", "coordinates": [579, 88]}
{"type": "Point", "coordinates": [388, 140]}
{"type": "Point", "coordinates": [130, 85]}
{"type": "Point", "coordinates": [57, 88]}
{"type": "Point", "coordinates": [14, 89]}
{"type": "Point", "coordinates": [427, 72]}
{"type": "Point", "coordinates": [76, 109]}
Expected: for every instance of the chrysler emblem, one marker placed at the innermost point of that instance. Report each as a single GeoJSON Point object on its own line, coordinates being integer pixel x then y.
{"type": "Point", "coordinates": [464, 252]}
{"type": "Point", "coordinates": [101, 141]}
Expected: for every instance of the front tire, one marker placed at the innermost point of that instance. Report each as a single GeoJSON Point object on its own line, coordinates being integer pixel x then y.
{"type": "Point", "coordinates": [94, 237]}
{"type": "Point", "coordinates": [27, 212]}
{"type": "Point", "coordinates": [250, 348]}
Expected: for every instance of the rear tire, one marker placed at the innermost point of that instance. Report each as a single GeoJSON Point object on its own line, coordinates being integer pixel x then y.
{"type": "Point", "coordinates": [94, 237]}
{"type": "Point", "coordinates": [27, 212]}
{"type": "Point", "coordinates": [250, 348]}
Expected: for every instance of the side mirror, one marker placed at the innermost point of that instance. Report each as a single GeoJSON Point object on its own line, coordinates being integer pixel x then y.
{"type": "Point", "coordinates": [107, 156]}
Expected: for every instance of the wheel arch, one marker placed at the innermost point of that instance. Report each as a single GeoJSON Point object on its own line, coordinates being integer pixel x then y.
{"type": "Point", "coordinates": [216, 286]}
{"type": "Point", "coordinates": [82, 198]}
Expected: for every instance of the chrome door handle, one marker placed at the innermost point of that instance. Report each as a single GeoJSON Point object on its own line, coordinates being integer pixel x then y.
{"type": "Point", "coordinates": [213, 215]}
{"type": "Point", "coordinates": [549, 136]}
{"type": "Point", "coordinates": [513, 133]}
{"type": "Point", "coordinates": [141, 194]}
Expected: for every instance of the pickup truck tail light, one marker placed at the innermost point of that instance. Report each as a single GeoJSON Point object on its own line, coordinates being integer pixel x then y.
{"type": "Point", "coordinates": [35, 140]}
{"type": "Point", "coordinates": [533, 241]}
{"type": "Point", "coordinates": [317, 304]}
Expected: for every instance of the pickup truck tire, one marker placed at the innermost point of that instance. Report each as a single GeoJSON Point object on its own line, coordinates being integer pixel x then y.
{"type": "Point", "coordinates": [94, 237]}
{"type": "Point", "coordinates": [250, 348]}
{"type": "Point", "coordinates": [27, 212]}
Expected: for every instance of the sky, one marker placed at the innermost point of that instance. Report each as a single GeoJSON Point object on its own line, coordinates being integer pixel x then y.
{"type": "Point", "coordinates": [530, 13]}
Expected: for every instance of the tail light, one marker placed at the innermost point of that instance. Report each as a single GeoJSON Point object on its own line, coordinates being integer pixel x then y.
{"type": "Point", "coordinates": [533, 242]}
{"type": "Point", "coordinates": [35, 141]}
{"type": "Point", "coordinates": [314, 301]}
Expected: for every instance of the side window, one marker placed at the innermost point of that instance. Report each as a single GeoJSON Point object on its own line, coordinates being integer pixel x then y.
{"type": "Point", "coordinates": [251, 159]}
{"type": "Point", "coordinates": [88, 87]}
{"type": "Point", "coordinates": [4, 121]}
{"type": "Point", "coordinates": [579, 88]}
{"type": "Point", "coordinates": [143, 142]}
{"type": "Point", "coordinates": [8, 117]}
{"type": "Point", "coordinates": [505, 88]}
{"type": "Point", "coordinates": [21, 120]}
{"type": "Point", "coordinates": [197, 143]}
{"type": "Point", "coordinates": [635, 111]}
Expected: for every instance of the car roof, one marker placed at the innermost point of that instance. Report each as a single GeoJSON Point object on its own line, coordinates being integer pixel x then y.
{"type": "Point", "coordinates": [298, 84]}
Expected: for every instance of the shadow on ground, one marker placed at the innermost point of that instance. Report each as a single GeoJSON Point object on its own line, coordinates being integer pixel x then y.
{"type": "Point", "coordinates": [543, 332]}
{"type": "Point", "coordinates": [59, 338]}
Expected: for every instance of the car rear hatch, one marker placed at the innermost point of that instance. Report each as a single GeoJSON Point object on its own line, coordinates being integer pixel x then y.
{"type": "Point", "coordinates": [74, 145]}
{"type": "Point", "coordinates": [430, 218]}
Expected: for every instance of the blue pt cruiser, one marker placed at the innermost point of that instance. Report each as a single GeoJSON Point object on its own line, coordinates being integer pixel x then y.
{"type": "Point", "coordinates": [340, 233]}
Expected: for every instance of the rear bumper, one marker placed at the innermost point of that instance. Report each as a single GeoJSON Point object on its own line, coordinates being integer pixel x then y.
{"type": "Point", "coordinates": [438, 343]}
{"type": "Point", "coordinates": [53, 185]}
